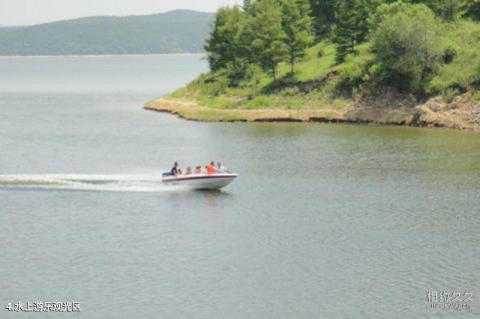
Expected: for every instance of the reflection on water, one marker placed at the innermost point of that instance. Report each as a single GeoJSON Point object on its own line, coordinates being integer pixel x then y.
{"type": "Point", "coordinates": [200, 197]}
{"type": "Point", "coordinates": [277, 130]}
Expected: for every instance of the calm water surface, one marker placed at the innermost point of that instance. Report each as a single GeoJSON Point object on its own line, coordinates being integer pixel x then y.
{"type": "Point", "coordinates": [326, 221]}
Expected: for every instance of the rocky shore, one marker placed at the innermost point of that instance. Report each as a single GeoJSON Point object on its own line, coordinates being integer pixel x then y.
{"type": "Point", "coordinates": [384, 108]}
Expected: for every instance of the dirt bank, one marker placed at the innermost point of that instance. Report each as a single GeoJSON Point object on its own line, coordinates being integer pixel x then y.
{"type": "Point", "coordinates": [387, 108]}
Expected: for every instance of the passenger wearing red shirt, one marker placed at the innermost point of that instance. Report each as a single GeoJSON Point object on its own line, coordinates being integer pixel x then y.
{"type": "Point", "coordinates": [210, 168]}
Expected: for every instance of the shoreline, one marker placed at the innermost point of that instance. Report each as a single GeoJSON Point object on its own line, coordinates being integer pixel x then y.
{"type": "Point", "coordinates": [420, 116]}
{"type": "Point", "coordinates": [191, 110]}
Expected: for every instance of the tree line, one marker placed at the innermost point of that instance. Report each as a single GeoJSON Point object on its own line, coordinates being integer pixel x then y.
{"type": "Point", "coordinates": [404, 34]}
{"type": "Point", "coordinates": [264, 32]}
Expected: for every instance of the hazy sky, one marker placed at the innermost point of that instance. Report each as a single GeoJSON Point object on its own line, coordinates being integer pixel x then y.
{"type": "Point", "coordinates": [21, 12]}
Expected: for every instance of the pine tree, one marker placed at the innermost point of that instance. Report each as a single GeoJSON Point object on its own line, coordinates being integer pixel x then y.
{"type": "Point", "coordinates": [472, 9]}
{"type": "Point", "coordinates": [269, 47]}
{"type": "Point", "coordinates": [223, 45]}
{"type": "Point", "coordinates": [214, 43]}
{"type": "Point", "coordinates": [323, 14]}
{"type": "Point", "coordinates": [450, 9]}
{"type": "Point", "coordinates": [297, 25]}
{"type": "Point", "coordinates": [246, 5]}
{"type": "Point", "coordinates": [351, 27]}
{"type": "Point", "coordinates": [446, 9]}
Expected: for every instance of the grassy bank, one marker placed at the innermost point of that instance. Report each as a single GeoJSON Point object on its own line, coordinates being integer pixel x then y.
{"type": "Point", "coordinates": [324, 91]}
{"type": "Point", "coordinates": [299, 91]}
{"type": "Point", "coordinates": [191, 110]}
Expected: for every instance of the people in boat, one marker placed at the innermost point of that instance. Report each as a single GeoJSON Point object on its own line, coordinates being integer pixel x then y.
{"type": "Point", "coordinates": [210, 168]}
{"type": "Point", "coordinates": [220, 168]}
{"type": "Point", "coordinates": [174, 171]}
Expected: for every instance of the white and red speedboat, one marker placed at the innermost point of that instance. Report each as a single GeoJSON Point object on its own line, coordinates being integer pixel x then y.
{"type": "Point", "coordinates": [200, 181]}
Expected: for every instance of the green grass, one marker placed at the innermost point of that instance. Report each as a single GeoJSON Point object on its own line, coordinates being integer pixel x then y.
{"type": "Point", "coordinates": [212, 89]}
{"type": "Point", "coordinates": [464, 39]}
{"type": "Point", "coordinates": [312, 66]}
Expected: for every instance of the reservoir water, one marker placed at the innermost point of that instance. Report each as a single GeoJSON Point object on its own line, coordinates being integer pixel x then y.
{"type": "Point", "coordinates": [325, 221]}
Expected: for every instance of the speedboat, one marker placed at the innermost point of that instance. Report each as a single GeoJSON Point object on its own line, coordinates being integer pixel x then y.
{"type": "Point", "coordinates": [200, 181]}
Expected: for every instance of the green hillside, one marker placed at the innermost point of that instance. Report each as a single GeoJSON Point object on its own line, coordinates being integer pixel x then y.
{"type": "Point", "coordinates": [401, 62]}
{"type": "Point", "coordinates": [178, 31]}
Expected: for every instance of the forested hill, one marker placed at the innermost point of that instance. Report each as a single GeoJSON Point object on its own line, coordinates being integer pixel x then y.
{"type": "Point", "coordinates": [342, 54]}
{"type": "Point", "coordinates": [179, 31]}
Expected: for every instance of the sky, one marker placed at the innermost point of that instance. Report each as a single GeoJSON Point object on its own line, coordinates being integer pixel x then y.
{"type": "Point", "coordinates": [28, 12]}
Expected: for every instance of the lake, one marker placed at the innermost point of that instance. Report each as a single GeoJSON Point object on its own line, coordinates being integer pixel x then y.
{"type": "Point", "coordinates": [325, 220]}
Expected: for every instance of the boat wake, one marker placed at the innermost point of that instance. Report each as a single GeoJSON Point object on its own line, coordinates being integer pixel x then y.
{"type": "Point", "coordinates": [100, 183]}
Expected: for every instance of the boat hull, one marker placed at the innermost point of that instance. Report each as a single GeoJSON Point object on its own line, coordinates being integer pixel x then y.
{"type": "Point", "coordinates": [201, 182]}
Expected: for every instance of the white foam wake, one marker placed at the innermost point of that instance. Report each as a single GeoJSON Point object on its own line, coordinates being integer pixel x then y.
{"type": "Point", "coordinates": [112, 183]}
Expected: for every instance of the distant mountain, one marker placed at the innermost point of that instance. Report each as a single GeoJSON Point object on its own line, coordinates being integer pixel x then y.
{"type": "Point", "coordinates": [180, 31]}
